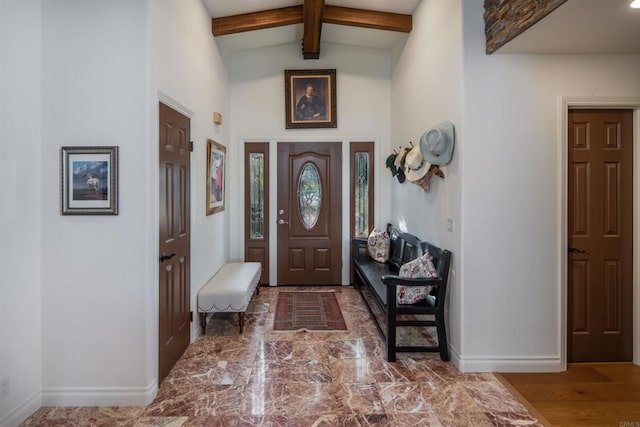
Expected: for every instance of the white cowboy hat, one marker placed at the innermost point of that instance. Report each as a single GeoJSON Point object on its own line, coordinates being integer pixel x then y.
{"type": "Point", "coordinates": [399, 164]}
{"type": "Point", "coordinates": [415, 167]}
{"type": "Point", "coordinates": [436, 144]}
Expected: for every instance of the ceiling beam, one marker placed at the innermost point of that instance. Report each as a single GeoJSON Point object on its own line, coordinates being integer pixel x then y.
{"type": "Point", "coordinates": [312, 28]}
{"type": "Point", "coordinates": [256, 20]}
{"type": "Point", "coordinates": [368, 19]}
{"type": "Point", "coordinates": [313, 13]}
{"type": "Point", "coordinates": [294, 15]}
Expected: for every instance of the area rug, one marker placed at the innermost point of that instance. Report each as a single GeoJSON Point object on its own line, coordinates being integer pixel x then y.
{"type": "Point", "coordinates": [308, 311]}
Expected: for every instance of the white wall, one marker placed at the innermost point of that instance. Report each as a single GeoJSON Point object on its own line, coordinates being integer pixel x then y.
{"type": "Point", "coordinates": [511, 195]}
{"type": "Point", "coordinates": [426, 89]}
{"type": "Point", "coordinates": [20, 206]}
{"type": "Point", "coordinates": [185, 65]}
{"type": "Point", "coordinates": [258, 114]}
{"type": "Point", "coordinates": [94, 280]}
{"type": "Point", "coordinates": [87, 73]}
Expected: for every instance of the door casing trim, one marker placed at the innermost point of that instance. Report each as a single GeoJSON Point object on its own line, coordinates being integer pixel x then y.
{"type": "Point", "coordinates": [565, 104]}
{"type": "Point", "coordinates": [174, 104]}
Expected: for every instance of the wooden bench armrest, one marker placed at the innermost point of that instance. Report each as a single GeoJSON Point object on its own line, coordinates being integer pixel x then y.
{"type": "Point", "coordinates": [356, 242]}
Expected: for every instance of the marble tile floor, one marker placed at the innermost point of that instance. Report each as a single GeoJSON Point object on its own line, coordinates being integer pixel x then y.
{"type": "Point", "coordinates": [267, 378]}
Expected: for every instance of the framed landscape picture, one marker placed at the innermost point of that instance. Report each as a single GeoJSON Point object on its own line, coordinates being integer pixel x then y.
{"type": "Point", "coordinates": [216, 164]}
{"type": "Point", "coordinates": [310, 99]}
{"type": "Point", "coordinates": [89, 180]}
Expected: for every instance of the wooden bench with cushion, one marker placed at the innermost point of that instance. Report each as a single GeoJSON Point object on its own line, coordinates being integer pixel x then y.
{"type": "Point", "coordinates": [378, 284]}
{"type": "Point", "coordinates": [229, 290]}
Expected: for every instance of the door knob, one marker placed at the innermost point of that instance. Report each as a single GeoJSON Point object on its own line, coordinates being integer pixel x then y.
{"type": "Point", "coordinates": [573, 250]}
{"type": "Point", "coordinates": [165, 257]}
{"type": "Point", "coordinates": [282, 221]}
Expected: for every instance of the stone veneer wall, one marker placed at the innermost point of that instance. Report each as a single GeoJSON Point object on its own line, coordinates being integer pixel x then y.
{"type": "Point", "coordinates": [504, 20]}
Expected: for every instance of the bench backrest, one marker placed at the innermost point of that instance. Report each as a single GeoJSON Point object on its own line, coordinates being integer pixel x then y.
{"type": "Point", "coordinates": [405, 247]}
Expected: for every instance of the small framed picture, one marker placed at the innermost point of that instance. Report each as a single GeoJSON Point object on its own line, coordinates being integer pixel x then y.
{"type": "Point", "coordinates": [89, 180]}
{"type": "Point", "coordinates": [310, 98]}
{"type": "Point", "coordinates": [216, 159]}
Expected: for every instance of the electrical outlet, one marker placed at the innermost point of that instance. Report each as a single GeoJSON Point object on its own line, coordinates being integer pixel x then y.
{"type": "Point", "coordinates": [450, 224]}
{"type": "Point", "coordinates": [5, 387]}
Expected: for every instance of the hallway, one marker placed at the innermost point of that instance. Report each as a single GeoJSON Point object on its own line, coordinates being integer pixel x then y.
{"type": "Point", "coordinates": [302, 379]}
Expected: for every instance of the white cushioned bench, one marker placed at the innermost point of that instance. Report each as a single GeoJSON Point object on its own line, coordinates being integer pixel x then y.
{"type": "Point", "coordinates": [229, 290]}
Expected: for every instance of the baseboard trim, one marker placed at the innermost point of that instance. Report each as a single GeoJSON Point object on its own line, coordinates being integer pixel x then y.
{"type": "Point", "coordinates": [506, 364]}
{"type": "Point", "coordinates": [100, 396]}
{"type": "Point", "coordinates": [22, 412]}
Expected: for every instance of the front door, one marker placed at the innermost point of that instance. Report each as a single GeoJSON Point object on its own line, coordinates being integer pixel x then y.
{"type": "Point", "coordinates": [174, 242]}
{"type": "Point", "coordinates": [600, 228]}
{"type": "Point", "coordinates": [309, 215]}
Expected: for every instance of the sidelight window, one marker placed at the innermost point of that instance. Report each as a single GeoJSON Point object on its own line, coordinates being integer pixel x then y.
{"type": "Point", "coordinates": [361, 188]}
{"type": "Point", "coordinates": [256, 198]}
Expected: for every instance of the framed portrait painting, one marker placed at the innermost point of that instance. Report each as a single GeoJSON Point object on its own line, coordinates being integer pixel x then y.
{"type": "Point", "coordinates": [89, 180]}
{"type": "Point", "coordinates": [310, 99]}
{"type": "Point", "coordinates": [216, 164]}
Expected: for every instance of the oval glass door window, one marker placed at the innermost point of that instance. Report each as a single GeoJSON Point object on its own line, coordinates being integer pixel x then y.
{"type": "Point", "coordinates": [309, 196]}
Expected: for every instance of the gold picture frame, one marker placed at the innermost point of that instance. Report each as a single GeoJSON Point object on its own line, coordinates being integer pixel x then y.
{"type": "Point", "coordinates": [216, 167]}
{"type": "Point", "coordinates": [310, 99]}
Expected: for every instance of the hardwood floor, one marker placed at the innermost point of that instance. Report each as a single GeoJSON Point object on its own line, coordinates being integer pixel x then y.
{"type": "Point", "coordinates": [587, 394]}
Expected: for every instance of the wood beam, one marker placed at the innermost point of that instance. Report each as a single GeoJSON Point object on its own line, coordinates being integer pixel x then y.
{"type": "Point", "coordinates": [256, 20]}
{"type": "Point", "coordinates": [368, 19]}
{"type": "Point", "coordinates": [313, 13]}
{"type": "Point", "coordinates": [312, 28]}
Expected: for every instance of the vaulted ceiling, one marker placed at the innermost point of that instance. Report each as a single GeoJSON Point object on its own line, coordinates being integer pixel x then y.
{"type": "Point", "coordinates": [375, 24]}
{"type": "Point", "coordinates": [577, 26]}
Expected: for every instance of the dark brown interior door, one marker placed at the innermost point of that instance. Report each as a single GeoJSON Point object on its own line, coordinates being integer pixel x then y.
{"type": "Point", "coordinates": [309, 213]}
{"type": "Point", "coordinates": [174, 256]}
{"type": "Point", "coordinates": [600, 228]}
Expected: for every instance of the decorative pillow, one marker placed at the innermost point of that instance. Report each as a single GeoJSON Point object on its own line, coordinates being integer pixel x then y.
{"type": "Point", "coordinates": [378, 244]}
{"type": "Point", "coordinates": [412, 294]}
{"type": "Point", "coordinates": [419, 268]}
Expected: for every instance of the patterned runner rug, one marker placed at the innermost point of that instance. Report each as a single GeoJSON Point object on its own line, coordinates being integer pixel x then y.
{"type": "Point", "coordinates": [308, 311]}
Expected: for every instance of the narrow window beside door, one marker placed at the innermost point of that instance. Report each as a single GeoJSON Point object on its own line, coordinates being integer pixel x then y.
{"type": "Point", "coordinates": [256, 206]}
{"type": "Point", "coordinates": [361, 189]}
{"type": "Point", "coordinates": [256, 194]}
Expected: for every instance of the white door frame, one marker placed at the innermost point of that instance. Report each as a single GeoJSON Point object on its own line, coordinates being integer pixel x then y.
{"type": "Point", "coordinates": [596, 103]}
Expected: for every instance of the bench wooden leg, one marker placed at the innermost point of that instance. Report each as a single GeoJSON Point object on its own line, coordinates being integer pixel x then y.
{"type": "Point", "coordinates": [241, 320]}
{"type": "Point", "coordinates": [391, 323]}
{"type": "Point", "coordinates": [203, 323]}
{"type": "Point", "coordinates": [442, 337]}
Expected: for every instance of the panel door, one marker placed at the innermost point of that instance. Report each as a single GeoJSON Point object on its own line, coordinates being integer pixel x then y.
{"type": "Point", "coordinates": [309, 213]}
{"type": "Point", "coordinates": [174, 242]}
{"type": "Point", "coordinates": [600, 227]}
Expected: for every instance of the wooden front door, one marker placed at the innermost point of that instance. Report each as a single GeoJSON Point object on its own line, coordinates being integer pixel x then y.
{"type": "Point", "coordinates": [600, 228]}
{"type": "Point", "coordinates": [309, 216]}
{"type": "Point", "coordinates": [174, 242]}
